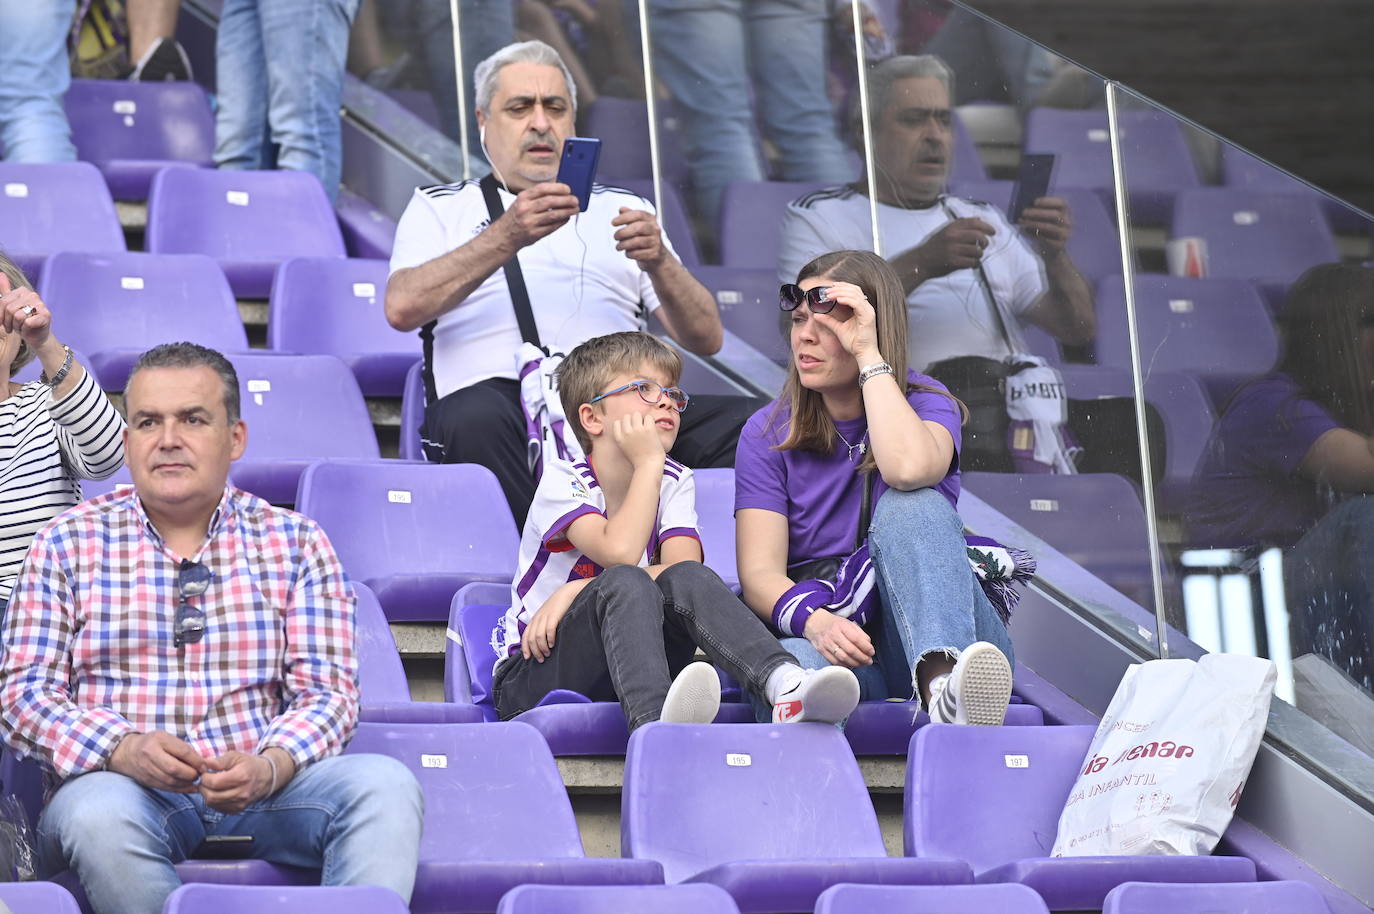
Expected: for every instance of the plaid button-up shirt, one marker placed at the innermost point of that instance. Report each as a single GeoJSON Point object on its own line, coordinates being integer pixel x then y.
{"type": "Point", "coordinates": [88, 652]}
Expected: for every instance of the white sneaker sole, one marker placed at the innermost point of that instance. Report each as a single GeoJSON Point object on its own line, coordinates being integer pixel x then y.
{"type": "Point", "coordinates": [829, 696]}
{"type": "Point", "coordinates": [694, 696]}
{"type": "Point", "coordinates": [983, 687]}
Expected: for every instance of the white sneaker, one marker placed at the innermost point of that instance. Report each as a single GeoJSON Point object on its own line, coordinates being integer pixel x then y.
{"type": "Point", "coordinates": [694, 696]}
{"type": "Point", "coordinates": [826, 696]}
{"type": "Point", "coordinates": [977, 691]}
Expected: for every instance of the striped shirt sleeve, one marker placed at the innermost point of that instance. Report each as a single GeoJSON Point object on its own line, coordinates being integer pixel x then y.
{"type": "Point", "coordinates": [320, 680]}
{"type": "Point", "coordinates": [89, 430]}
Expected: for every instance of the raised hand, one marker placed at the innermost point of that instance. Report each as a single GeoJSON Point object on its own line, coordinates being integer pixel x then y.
{"type": "Point", "coordinates": [957, 246]}
{"type": "Point", "coordinates": [22, 311]}
{"type": "Point", "coordinates": [640, 237]}
{"type": "Point", "coordinates": [857, 333]}
{"type": "Point", "coordinates": [538, 211]}
{"type": "Point", "coordinates": [1048, 223]}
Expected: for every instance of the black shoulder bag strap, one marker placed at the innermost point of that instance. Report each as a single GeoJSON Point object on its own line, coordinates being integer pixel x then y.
{"type": "Point", "coordinates": [865, 511]}
{"type": "Point", "coordinates": [515, 280]}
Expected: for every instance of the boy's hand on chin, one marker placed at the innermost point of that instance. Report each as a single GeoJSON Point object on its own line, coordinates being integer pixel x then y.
{"type": "Point", "coordinates": [637, 437]}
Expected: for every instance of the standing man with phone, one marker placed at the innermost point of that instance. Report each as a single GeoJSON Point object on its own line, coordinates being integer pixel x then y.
{"type": "Point", "coordinates": [586, 275]}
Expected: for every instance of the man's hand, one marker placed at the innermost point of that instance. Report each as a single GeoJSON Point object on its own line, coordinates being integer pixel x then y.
{"type": "Point", "coordinates": [158, 760]}
{"type": "Point", "coordinates": [236, 780]}
{"type": "Point", "coordinates": [957, 246]}
{"type": "Point", "coordinates": [538, 640]}
{"type": "Point", "coordinates": [840, 641]}
{"type": "Point", "coordinates": [538, 211]}
{"type": "Point", "coordinates": [636, 434]}
{"type": "Point", "coordinates": [640, 237]}
{"type": "Point", "coordinates": [1048, 224]}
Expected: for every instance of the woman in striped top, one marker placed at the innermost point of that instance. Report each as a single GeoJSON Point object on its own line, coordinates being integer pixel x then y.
{"type": "Point", "coordinates": [53, 432]}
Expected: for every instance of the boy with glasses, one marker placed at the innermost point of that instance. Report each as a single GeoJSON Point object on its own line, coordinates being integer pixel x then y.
{"type": "Point", "coordinates": [611, 598]}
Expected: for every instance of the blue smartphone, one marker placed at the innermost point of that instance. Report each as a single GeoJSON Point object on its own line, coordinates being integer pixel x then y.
{"type": "Point", "coordinates": [1032, 183]}
{"type": "Point", "coordinates": [578, 167]}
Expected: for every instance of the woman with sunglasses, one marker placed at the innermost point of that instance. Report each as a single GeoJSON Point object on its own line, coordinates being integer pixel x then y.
{"type": "Point", "coordinates": [847, 537]}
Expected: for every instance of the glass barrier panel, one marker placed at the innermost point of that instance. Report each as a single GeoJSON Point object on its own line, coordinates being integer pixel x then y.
{"type": "Point", "coordinates": [1254, 306]}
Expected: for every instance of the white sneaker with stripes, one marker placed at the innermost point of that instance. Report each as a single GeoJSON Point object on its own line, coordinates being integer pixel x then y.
{"type": "Point", "coordinates": [977, 691]}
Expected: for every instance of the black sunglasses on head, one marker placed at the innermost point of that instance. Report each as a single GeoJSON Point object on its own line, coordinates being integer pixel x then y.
{"type": "Point", "coordinates": [791, 296]}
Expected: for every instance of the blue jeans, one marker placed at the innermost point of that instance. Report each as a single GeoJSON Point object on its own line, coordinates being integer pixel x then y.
{"type": "Point", "coordinates": [34, 75]}
{"type": "Point", "coordinates": [280, 77]}
{"type": "Point", "coordinates": [931, 600]}
{"type": "Point", "coordinates": [356, 817]}
{"type": "Point", "coordinates": [1331, 589]}
{"type": "Point", "coordinates": [706, 50]}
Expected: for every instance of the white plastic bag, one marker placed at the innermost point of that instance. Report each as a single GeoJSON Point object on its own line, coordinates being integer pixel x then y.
{"type": "Point", "coordinates": [1165, 769]}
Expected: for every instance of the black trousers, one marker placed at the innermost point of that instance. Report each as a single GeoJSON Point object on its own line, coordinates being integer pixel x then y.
{"type": "Point", "coordinates": [627, 635]}
{"type": "Point", "coordinates": [484, 424]}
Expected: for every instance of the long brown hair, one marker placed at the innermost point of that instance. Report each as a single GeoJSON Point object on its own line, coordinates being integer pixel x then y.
{"type": "Point", "coordinates": [811, 428]}
{"type": "Point", "coordinates": [1323, 317]}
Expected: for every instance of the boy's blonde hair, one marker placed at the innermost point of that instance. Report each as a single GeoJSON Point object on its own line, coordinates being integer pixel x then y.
{"type": "Point", "coordinates": [17, 281]}
{"type": "Point", "coordinates": [589, 368]}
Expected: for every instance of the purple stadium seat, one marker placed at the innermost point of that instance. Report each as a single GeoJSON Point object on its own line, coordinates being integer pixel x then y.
{"type": "Point", "coordinates": [59, 207]}
{"type": "Point", "coordinates": [113, 307]}
{"type": "Point", "coordinates": [1241, 170]}
{"type": "Point", "coordinates": [34, 369]}
{"type": "Point", "coordinates": [885, 727]}
{"type": "Point", "coordinates": [716, 518]}
{"type": "Point", "coordinates": [1182, 404]}
{"type": "Point", "coordinates": [623, 126]}
{"type": "Point", "coordinates": [748, 302]}
{"type": "Point", "coordinates": [413, 532]}
{"type": "Point", "coordinates": [1094, 245]}
{"type": "Point", "coordinates": [249, 221]}
{"type": "Point", "coordinates": [129, 130]}
{"type": "Point", "coordinates": [1158, 163]}
{"type": "Point", "coordinates": [751, 221]}
{"type": "Point", "coordinates": [931, 899]}
{"type": "Point", "coordinates": [1202, 326]}
{"type": "Point", "coordinates": [720, 804]}
{"type": "Point", "coordinates": [1267, 237]}
{"type": "Point", "coordinates": [1283, 897]}
{"type": "Point", "coordinates": [496, 815]}
{"type": "Point", "coordinates": [1095, 519]}
{"type": "Point", "coordinates": [299, 409]}
{"type": "Point", "coordinates": [570, 723]}
{"type": "Point", "coordinates": [90, 488]}
{"type": "Point", "coordinates": [661, 899]}
{"type": "Point", "coordinates": [964, 799]}
{"type": "Point", "coordinates": [37, 898]}
{"type": "Point", "coordinates": [335, 307]}
{"type": "Point", "coordinates": [367, 231]}
{"type": "Point", "coordinates": [309, 899]}
{"type": "Point", "coordinates": [672, 216]}
{"type": "Point", "coordinates": [966, 164]}
{"type": "Point", "coordinates": [413, 413]}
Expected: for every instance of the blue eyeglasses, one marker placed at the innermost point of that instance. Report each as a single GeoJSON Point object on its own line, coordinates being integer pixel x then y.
{"type": "Point", "coordinates": [650, 392]}
{"type": "Point", "coordinates": [193, 579]}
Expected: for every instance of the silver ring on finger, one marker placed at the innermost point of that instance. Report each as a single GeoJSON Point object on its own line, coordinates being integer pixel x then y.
{"type": "Point", "coordinates": [29, 310]}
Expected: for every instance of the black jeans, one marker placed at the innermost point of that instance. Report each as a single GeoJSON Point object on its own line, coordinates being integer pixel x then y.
{"type": "Point", "coordinates": [627, 635]}
{"type": "Point", "coordinates": [484, 424]}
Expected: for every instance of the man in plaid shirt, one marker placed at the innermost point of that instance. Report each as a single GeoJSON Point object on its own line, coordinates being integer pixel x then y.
{"type": "Point", "coordinates": [180, 658]}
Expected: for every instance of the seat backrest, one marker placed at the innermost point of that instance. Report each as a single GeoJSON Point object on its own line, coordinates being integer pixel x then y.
{"type": "Point", "coordinates": [748, 302]}
{"type": "Point", "coordinates": [214, 898]}
{"type": "Point", "coordinates": [302, 407]}
{"type": "Point", "coordinates": [491, 792]}
{"type": "Point", "coordinates": [1194, 325]}
{"type": "Point", "coordinates": [93, 488]}
{"type": "Point", "coordinates": [243, 219]}
{"type": "Point", "coordinates": [390, 517]}
{"type": "Point", "coordinates": [56, 207]}
{"type": "Point", "coordinates": [1156, 154]}
{"type": "Point", "coordinates": [701, 898]}
{"type": "Point", "coordinates": [1253, 234]}
{"type": "Point", "coordinates": [1009, 898]}
{"type": "Point", "coordinates": [698, 796]}
{"type": "Point", "coordinates": [37, 898]}
{"type": "Point", "coordinates": [413, 413]}
{"type": "Point", "coordinates": [122, 119]}
{"type": "Point", "coordinates": [716, 520]}
{"type": "Point", "coordinates": [368, 232]}
{"type": "Point", "coordinates": [136, 301]}
{"type": "Point", "coordinates": [1280, 897]}
{"type": "Point", "coordinates": [333, 306]}
{"type": "Point", "coordinates": [672, 215]}
{"type": "Point", "coordinates": [989, 795]}
{"type": "Point", "coordinates": [751, 220]}
{"type": "Point", "coordinates": [474, 624]}
{"type": "Point", "coordinates": [381, 676]}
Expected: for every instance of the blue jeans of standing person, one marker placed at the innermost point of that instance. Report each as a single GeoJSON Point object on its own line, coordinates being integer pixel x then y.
{"type": "Point", "coordinates": [355, 817]}
{"type": "Point", "coordinates": [931, 600]}
{"type": "Point", "coordinates": [705, 51]}
{"type": "Point", "coordinates": [34, 75]}
{"type": "Point", "coordinates": [280, 75]}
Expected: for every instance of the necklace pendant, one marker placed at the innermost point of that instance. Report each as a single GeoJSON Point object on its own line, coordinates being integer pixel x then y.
{"type": "Point", "coordinates": [863, 448]}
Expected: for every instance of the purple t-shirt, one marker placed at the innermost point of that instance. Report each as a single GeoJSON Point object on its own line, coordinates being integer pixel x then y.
{"type": "Point", "coordinates": [1249, 490]}
{"type": "Point", "coordinates": [820, 494]}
